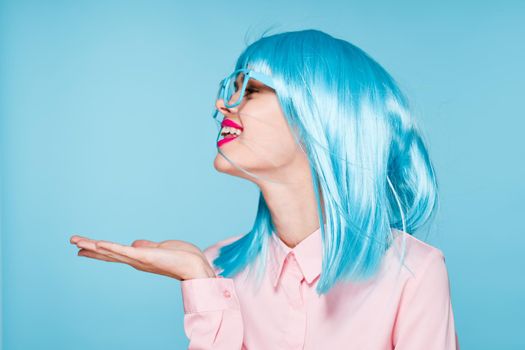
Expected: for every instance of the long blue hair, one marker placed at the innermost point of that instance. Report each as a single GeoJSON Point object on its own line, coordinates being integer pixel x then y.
{"type": "Point", "coordinates": [369, 162]}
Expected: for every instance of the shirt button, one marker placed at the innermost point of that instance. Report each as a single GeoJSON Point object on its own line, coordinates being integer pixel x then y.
{"type": "Point", "coordinates": [226, 293]}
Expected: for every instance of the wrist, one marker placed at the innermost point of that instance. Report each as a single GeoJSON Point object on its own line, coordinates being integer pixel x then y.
{"type": "Point", "coordinates": [203, 271]}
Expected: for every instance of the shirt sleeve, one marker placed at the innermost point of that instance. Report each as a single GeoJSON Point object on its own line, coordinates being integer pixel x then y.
{"type": "Point", "coordinates": [212, 313]}
{"type": "Point", "coordinates": [212, 316]}
{"type": "Point", "coordinates": [425, 319]}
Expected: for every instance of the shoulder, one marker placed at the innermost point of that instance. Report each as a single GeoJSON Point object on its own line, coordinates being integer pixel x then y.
{"type": "Point", "coordinates": [212, 251]}
{"type": "Point", "coordinates": [418, 255]}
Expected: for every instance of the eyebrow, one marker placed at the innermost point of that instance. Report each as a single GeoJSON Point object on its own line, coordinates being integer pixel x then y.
{"type": "Point", "coordinates": [251, 82]}
{"type": "Point", "coordinates": [235, 84]}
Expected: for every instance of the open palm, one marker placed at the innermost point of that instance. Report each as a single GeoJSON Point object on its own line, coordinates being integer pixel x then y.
{"type": "Point", "coordinates": [173, 258]}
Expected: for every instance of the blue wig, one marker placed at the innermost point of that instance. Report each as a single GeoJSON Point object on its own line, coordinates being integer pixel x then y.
{"type": "Point", "coordinates": [369, 162]}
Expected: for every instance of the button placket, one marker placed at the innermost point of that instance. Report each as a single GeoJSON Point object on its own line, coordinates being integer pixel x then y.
{"type": "Point", "coordinates": [291, 281]}
{"type": "Point", "coordinates": [291, 284]}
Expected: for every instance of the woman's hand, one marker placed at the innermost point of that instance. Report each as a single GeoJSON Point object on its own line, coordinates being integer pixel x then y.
{"type": "Point", "coordinates": [173, 258]}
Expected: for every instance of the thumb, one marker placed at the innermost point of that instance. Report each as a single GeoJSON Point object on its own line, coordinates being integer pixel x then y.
{"type": "Point", "coordinates": [144, 243]}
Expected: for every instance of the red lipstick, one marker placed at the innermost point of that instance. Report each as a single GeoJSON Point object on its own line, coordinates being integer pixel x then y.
{"type": "Point", "coordinates": [229, 122]}
{"type": "Point", "coordinates": [226, 139]}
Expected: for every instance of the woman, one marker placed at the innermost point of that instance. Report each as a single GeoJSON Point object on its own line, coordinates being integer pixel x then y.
{"type": "Point", "coordinates": [345, 180]}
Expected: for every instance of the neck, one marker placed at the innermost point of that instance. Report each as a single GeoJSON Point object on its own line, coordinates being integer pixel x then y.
{"type": "Point", "coordinates": [293, 206]}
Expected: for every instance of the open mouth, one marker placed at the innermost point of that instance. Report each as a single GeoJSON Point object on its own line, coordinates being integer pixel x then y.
{"type": "Point", "coordinates": [231, 123]}
{"type": "Point", "coordinates": [228, 134]}
{"type": "Point", "coordinates": [230, 130]}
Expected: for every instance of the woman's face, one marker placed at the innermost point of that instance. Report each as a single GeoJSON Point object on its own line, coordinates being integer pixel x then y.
{"type": "Point", "coordinates": [266, 145]}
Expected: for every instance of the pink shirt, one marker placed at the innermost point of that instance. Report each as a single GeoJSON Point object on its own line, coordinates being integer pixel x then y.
{"type": "Point", "coordinates": [412, 312]}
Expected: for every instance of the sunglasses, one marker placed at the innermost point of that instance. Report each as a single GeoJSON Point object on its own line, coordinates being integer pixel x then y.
{"type": "Point", "coordinates": [230, 85]}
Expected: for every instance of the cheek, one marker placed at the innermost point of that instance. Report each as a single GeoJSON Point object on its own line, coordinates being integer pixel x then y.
{"type": "Point", "coordinates": [269, 133]}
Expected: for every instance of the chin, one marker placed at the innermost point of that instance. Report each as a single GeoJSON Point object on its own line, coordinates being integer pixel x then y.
{"type": "Point", "coordinates": [222, 165]}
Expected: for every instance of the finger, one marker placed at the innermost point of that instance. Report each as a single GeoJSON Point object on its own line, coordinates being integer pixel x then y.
{"type": "Point", "coordinates": [90, 254]}
{"type": "Point", "coordinates": [87, 244]}
{"type": "Point", "coordinates": [121, 258]}
{"type": "Point", "coordinates": [75, 238]}
{"type": "Point", "coordinates": [130, 252]}
{"type": "Point", "coordinates": [113, 258]}
{"type": "Point", "coordinates": [93, 247]}
{"type": "Point", "coordinates": [144, 243]}
{"type": "Point", "coordinates": [107, 255]}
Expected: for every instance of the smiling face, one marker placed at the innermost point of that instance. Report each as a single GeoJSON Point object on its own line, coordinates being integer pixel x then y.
{"type": "Point", "coordinates": [266, 145]}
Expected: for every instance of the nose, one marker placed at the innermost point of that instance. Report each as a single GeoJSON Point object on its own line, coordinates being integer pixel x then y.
{"type": "Point", "coordinates": [219, 104]}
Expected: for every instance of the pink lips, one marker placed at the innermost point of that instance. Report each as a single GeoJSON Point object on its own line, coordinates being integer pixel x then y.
{"type": "Point", "coordinates": [229, 122]}
{"type": "Point", "coordinates": [228, 138]}
{"type": "Point", "coordinates": [225, 140]}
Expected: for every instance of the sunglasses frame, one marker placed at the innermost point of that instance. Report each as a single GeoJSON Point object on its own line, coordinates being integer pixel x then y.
{"type": "Point", "coordinates": [248, 74]}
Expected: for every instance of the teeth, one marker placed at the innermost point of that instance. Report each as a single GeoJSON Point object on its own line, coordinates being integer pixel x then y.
{"type": "Point", "coordinates": [228, 129]}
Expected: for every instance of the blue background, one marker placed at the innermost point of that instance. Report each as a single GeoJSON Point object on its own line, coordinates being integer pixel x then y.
{"type": "Point", "coordinates": [106, 131]}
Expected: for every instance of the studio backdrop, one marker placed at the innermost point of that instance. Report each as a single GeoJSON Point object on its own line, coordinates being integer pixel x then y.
{"type": "Point", "coordinates": [106, 131]}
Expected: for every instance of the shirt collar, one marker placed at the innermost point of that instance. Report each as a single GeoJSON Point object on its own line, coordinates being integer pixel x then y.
{"type": "Point", "coordinates": [308, 253]}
